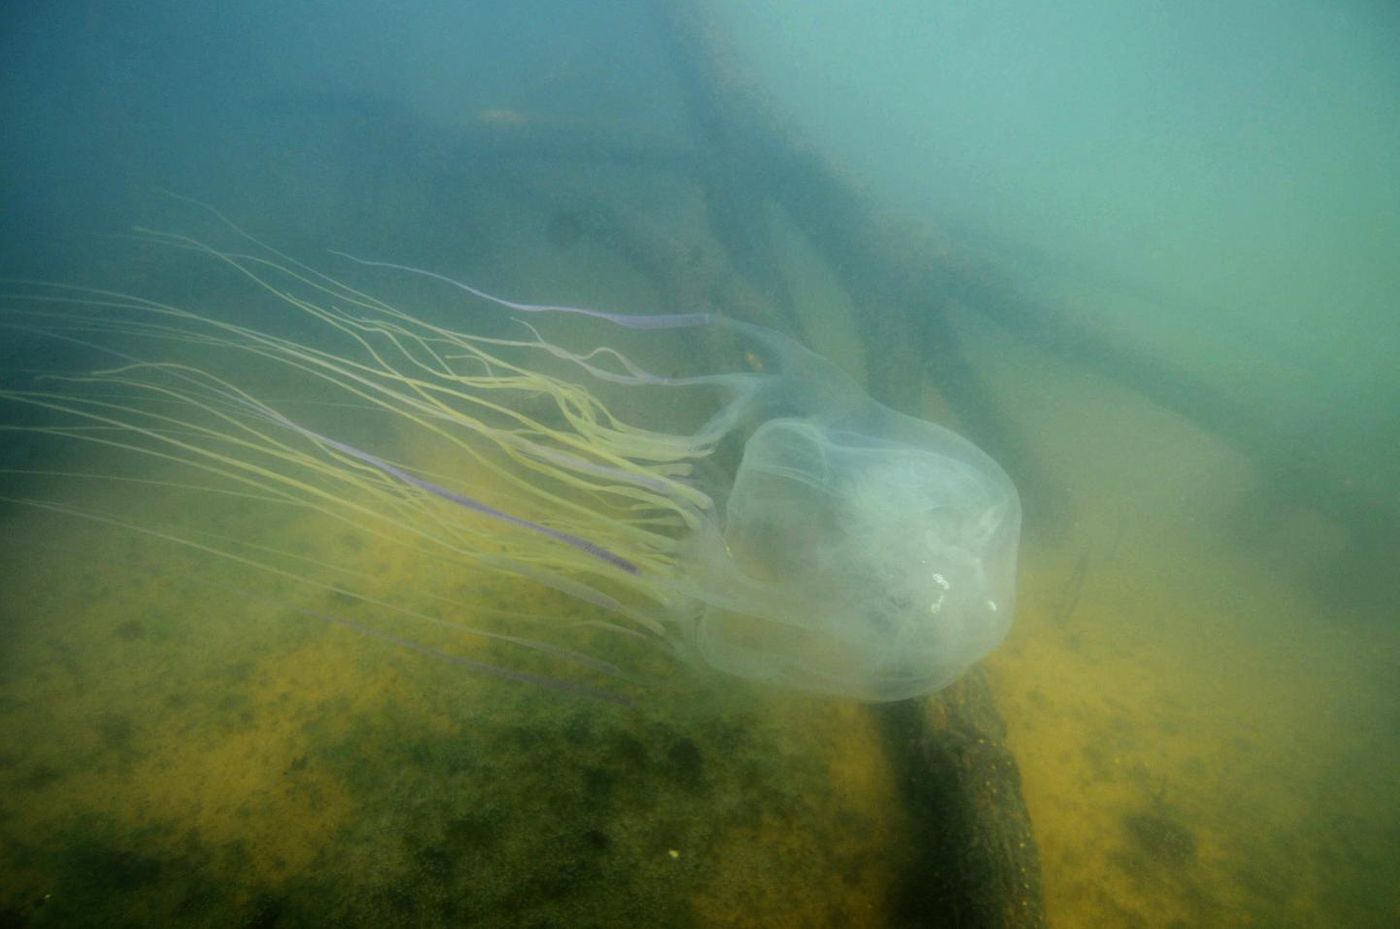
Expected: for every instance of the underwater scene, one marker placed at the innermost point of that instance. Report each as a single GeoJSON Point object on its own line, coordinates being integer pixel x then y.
{"type": "Point", "coordinates": [695, 463]}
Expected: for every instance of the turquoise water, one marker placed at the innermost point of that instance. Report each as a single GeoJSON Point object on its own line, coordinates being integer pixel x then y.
{"type": "Point", "coordinates": [1144, 257]}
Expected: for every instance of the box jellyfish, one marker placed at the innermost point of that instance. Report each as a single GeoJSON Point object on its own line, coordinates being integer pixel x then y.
{"type": "Point", "coordinates": [714, 486]}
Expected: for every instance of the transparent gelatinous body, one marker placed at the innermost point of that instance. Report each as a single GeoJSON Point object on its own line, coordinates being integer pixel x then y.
{"type": "Point", "coordinates": [876, 564]}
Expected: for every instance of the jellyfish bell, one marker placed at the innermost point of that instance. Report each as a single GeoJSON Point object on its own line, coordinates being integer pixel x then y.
{"type": "Point", "coordinates": [871, 567]}
{"type": "Point", "coordinates": [724, 494]}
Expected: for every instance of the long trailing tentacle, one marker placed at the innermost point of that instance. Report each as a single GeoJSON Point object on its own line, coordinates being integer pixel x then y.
{"type": "Point", "coordinates": [448, 385]}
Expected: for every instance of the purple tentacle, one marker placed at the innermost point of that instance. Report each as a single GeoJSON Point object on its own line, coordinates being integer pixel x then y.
{"type": "Point", "coordinates": [470, 503]}
{"type": "Point", "coordinates": [663, 321]}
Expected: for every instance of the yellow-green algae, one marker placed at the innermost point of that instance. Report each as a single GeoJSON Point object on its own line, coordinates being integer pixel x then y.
{"type": "Point", "coordinates": [178, 753]}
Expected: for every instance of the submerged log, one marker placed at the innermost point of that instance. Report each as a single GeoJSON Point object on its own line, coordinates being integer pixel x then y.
{"type": "Point", "coordinates": [976, 864]}
{"type": "Point", "coordinates": [976, 859]}
{"type": "Point", "coordinates": [904, 278]}
{"type": "Point", "coordinates": [753, 157]}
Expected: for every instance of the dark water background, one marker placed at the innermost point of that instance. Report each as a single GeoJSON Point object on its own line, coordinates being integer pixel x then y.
{"type": "Point", "coordinates": [1201, 685]}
